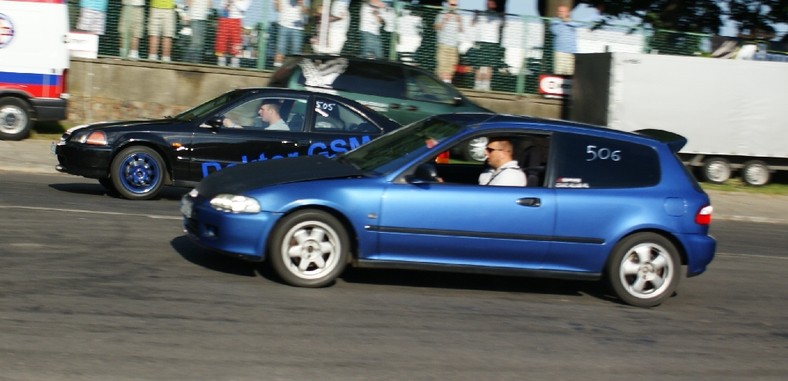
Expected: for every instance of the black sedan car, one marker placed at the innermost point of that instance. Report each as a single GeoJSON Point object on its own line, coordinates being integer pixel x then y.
{"type": "Point", "coordinates": [137, 158]}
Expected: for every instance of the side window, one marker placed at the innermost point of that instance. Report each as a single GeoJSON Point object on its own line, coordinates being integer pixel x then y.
{"type": "Point", "coordinates": [284, 114]}
{"type": "Point", "coordinates": [425, 88]}
{"type": "Point", "coordinates": [592, 162]}
{"type": "Point", "coordinates": [332, 116]}
{"type": "Point", "coordinates": [469, 162]}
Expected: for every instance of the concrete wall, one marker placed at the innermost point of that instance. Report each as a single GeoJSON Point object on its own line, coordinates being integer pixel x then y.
{"type": "Point", "coordinates": [114, 89]}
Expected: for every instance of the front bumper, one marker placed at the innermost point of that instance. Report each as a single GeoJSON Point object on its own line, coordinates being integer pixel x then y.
{"type": "Point", "coordinates": [235, 234]}
{"type": "Point", "coordinates": [83, 160]}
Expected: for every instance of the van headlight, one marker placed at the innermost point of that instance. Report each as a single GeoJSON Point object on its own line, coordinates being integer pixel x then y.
{"type": "Point", "coordinates": [232, 203]}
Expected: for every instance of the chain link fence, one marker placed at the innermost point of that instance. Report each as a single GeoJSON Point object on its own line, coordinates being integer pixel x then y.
{"type": "Point", "coordinates": [515, 49]}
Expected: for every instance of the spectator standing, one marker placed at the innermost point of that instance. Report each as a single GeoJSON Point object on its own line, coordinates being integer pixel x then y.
{"type": "Point", "coordinates": [198, 21]}
{"type": "Point", "coordinates": [371, 20]}
{"type": "Point", "coordinates": [161, 27]}
{"type": "Point", "coordinates": [448, 24]}
{"type": "Point", "coordinates": [338, 25]}
{"type": "Point", "coordinates": [132, 18]}
{"type": "Point", "coordinates": [228, 32]}
{"type": "Point", "coordinates": [564, 42]}
{"type": "Point", "coordinates": [488, 50]}
{"type": "Point", "coordinates": [92, 16]}
{"type": "Point", "coordinates": [292, 18]}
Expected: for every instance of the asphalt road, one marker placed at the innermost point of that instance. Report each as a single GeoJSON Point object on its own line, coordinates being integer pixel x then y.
{"type": "Point", "coordinates": [97, 288]}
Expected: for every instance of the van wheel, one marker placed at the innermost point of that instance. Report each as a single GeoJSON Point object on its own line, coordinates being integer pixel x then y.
{"type": "Point", "coordinates": [716, 170]}
{"type": "Point", "coordinates": [15, 121]}
{"type": "Point", "coordinates": [643, 269]}
{"type": "Point", "coordinates": [755, 173]}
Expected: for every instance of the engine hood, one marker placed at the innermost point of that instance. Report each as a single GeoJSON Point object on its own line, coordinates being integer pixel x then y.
{"type": "Point", "coordinates": [246, 177]}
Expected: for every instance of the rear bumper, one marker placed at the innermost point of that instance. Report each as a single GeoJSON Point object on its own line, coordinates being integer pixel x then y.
{"type": "Point", "coordinates": [49, 109]}
{"type": "Point", "coordinates": [700, 252]}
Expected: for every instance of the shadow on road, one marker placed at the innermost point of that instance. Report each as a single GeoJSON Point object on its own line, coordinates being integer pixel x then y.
{"type": "Point", "coordinates": [479, 282]}
{"type": "Point", "coordinates": [401, 278]}
{"type": "Point", "coordinates": [167, 193]}
{"type": "Point", "coordinates": [211, 260]}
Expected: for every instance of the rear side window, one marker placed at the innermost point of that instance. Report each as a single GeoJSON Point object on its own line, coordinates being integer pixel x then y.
{"type": "Point", "coordinates": [593, 162]}
{"type": "Point", "coordinates": [356, 77]}
{"type": "Point", "coordinates": [425, 88]}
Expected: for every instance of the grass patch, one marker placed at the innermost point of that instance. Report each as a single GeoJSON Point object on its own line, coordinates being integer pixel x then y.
{"type": "Point", "coordinates": [778, 186]}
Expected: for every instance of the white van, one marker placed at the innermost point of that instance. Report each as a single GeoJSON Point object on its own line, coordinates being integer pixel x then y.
{"type": "Point", "coordinates": [34, 62]}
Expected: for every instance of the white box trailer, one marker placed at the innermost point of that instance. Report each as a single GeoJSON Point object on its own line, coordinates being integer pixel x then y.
{"type": "Point", "coordinates": [734, 113]}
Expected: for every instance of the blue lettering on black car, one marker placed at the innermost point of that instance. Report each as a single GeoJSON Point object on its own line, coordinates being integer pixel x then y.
{"type": "Point", "coordinates": [329, 149]}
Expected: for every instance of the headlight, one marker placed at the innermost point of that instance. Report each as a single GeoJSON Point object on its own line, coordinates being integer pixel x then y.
{"type": "Point", "coordinates": [232, 203]}
{"type": "Point", "coordinates": [96, 138]}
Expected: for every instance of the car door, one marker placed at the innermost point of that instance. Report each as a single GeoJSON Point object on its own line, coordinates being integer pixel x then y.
{"type": "Point", "coordinates": [466, 225]}
{"type": "Point", "coordinates": [238, 135]}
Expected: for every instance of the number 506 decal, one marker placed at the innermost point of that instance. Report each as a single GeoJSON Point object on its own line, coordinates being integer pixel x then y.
{"type": "Point", "coordinates": [597, 153]}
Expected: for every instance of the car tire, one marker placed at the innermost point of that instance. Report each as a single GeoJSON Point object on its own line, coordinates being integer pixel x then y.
{"type": "Point", "coordinates": [138, 173]}
{"type": "Point", "coordinates": [755, 173]}
{"type": "Point", "coordinates": [309, 248]}
{"type": "Point", "coordinates": [716, 170]}
{"type": "Point", "coordinates": [15, 120]}
{"type": "Point", "coordinates": [644, 269]}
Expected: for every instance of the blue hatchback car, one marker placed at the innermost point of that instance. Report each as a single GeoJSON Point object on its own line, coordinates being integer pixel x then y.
{"type": "Point", "coordinates": [591, 203]}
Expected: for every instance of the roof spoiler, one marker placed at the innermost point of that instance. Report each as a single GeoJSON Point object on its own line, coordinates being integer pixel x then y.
{"type": "Point", "coordinates": [674, 141]}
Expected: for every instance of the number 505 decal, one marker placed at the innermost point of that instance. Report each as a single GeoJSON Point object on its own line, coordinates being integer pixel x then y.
{"type": "Point", "coordinates": [597, 153]}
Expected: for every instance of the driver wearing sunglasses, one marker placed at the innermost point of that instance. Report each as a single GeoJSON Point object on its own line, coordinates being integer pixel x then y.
{"type": "Point", "coordinates": [504, 170]}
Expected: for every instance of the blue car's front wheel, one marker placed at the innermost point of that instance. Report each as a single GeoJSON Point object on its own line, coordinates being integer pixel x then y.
{"type": "Point", "coordinates": [138, 173]}
{"type": "Point", "coordinates": [309, 248]}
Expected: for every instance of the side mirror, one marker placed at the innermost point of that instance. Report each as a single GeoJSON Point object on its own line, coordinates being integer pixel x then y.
{"type": "Point", "coordinates": [425, 173]}
{"type": "Point", "coordinates": [216, 122]}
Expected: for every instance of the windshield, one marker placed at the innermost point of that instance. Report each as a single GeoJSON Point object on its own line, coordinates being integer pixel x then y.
{"type": "Point", "coordinates": [392, 150]}
{"type": "Point", "coordinates": [209, 107]}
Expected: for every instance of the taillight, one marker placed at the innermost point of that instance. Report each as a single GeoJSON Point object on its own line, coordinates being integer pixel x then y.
{"type": "Point", "coordinates": [703, 217]}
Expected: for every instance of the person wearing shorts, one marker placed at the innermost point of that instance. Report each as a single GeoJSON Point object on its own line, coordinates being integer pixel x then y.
{"type": "Point", "coordinates": [132, 18]}
{"type": "Point", "coordinates": [228, 31]}
{"type": "Point", "coordinates": [448, 24]}
{"type": "Point", "coordinates": [161, 26]}
{"type": "Point", "coordinates": [92, 16]}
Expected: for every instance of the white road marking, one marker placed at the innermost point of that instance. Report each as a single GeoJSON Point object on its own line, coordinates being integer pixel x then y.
{"type": "Point", "coordinates": [152, 216]}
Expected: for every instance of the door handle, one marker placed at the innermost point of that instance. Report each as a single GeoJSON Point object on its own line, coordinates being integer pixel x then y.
{"type": "Point", "coordinates": [412, 108]}
{"type": "Point", "coordinates": [394, 106]}
{"type": "Point", "coordinates": [530, 201]}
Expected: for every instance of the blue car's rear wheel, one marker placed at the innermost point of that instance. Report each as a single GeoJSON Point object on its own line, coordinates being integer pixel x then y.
{"type": "Point", "coordinates": [644, 269]}
{"type": "Point", "coordinates": [138, 173]}
{"type": "Point", "coordinates": [309, 248]}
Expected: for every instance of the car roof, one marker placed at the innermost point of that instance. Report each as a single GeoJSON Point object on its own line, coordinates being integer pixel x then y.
{"type": "Point", "coordinates": [357, 59]}
{"type": "Point", "coordinates": [480, 120]}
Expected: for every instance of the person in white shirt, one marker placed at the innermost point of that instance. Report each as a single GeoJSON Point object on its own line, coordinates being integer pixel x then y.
{"type": "Point", "coordinates": [198, 20]}
{"type": "Point", "coordinates": [448, 24]}
{"type": "Point", "coordinates": [504, 170]}
{"type": "Point", "coordinates": [290, 37]}
{"type": "Point", "coordinates": [130, 25]}
{"type": "Point", "coordinates": [269, 112]}
{"type": "Point", "coordinates": [228, 31]}
{"type": "Point", "coordinates": [371, 19]}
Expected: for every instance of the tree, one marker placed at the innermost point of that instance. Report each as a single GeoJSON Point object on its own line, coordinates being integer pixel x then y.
{"type": "Point", "coordinates": [754, 17]}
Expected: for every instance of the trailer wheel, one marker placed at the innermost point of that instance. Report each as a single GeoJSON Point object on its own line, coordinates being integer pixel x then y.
{"type": "Point", "coordinates": [716, 170]}
{"type": "Point", "coordinates": [15, 121]}
{"type": "Point", "coordinates": [755, 173]}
